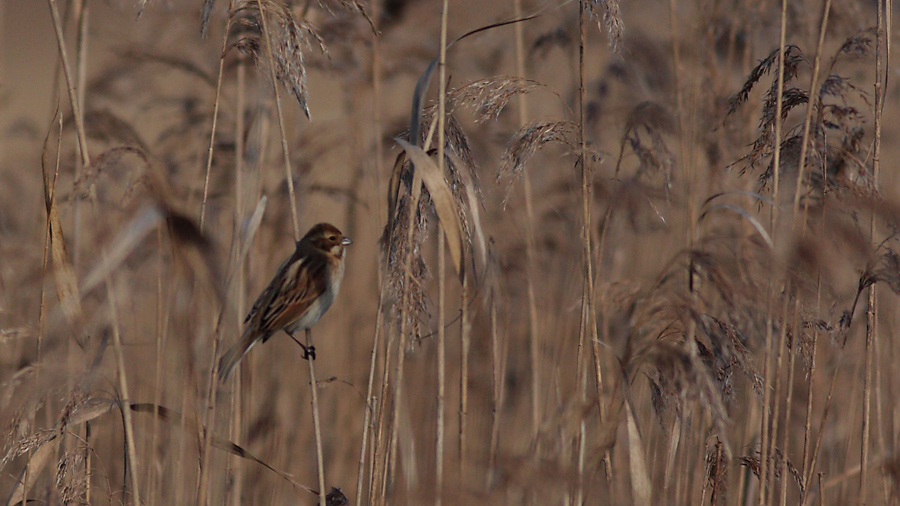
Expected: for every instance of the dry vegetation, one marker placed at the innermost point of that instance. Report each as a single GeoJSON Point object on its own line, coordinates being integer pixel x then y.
{"type": "Point", "coordinates": [636, 256]}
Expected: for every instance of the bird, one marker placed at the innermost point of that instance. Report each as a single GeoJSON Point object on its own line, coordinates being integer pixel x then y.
{"type": "Point", "coordinates": [302, 290]}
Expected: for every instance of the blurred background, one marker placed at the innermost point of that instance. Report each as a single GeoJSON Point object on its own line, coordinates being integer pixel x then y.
{"type": "Point", "coordinates": [732, 324]}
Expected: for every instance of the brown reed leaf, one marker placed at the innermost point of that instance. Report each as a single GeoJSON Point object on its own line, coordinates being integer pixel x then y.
{"type": "Point", "coordinates": [640, 479]}
{"type": "Point", "coordinates": [63, 273]}
{"type": "Point", "coordinates": [442, 198]}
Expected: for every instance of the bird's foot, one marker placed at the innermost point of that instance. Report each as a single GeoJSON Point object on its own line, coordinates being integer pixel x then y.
{"type": "Point", "coordinates": [309, 352]}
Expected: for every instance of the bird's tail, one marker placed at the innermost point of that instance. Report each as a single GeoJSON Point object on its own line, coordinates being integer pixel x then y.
{"type": "Point", "coordinates": [231, 358]}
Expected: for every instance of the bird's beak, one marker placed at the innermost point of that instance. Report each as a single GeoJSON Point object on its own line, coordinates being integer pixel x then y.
{"type": "Point", "coordinates": [345, 241]}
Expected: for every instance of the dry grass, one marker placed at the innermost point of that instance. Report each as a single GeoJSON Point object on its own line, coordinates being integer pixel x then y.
{"type": "Point", "coordinates": [633, 253]}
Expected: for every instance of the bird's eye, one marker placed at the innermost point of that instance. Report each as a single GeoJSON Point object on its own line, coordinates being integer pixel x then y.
{"type": "Point", "coordinates": [332, 238]}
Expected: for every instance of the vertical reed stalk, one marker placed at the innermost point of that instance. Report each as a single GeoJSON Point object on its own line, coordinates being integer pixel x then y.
{"type": "Point", "coordinates": [371, 401]}
{"type": "Point", "coordinates": [498, 368]}
{"type": "Point", "coordinates": [125, 398]}
{"type": "Point", "coordinates": [770, 372]}
{"type": "Point", "coordinates": [379, 473]}
{"type": "Point", "coordinates": [587, 294]}
{"type": "Point", "coordinates": [377, 128]}
{"type": "Point", "coordinates": [152, 484]}
{"type": "Point", "coordinates": [215, 116]}
{"type": "Point", "coordinates": [284, 144]}
{"type": "Point", "coordinates": [441, 372]}
{"type": "Point", "coordinates": [530, 254]}
{"type": "Point", "coordinates": [317, 426]}
{"type": "Point", "coordinates": [237, 415]}
{"type": "Point", "coordinates": [442, 272]}
{"type": "Point", "coordinates": [872, 312]}
{"type": "Point", "coordinates": [465, 339]}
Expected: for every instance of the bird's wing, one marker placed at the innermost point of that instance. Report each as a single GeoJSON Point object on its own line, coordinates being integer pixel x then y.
{"type": "Point", "coordinates": [300, 281]}
{"type": "Point", "coordinates": [265, 298]}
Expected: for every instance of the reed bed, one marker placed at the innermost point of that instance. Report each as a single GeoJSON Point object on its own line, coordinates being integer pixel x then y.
{"type": "Point", "coordinates": [604, 253]}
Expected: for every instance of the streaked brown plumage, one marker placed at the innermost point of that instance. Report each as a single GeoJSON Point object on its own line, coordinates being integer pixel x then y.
{"type": "Point", "coordinates": [300, 293]}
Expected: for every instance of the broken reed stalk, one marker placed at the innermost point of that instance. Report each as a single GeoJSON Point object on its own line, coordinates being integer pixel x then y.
{"type": "Point", "coordinates": [441, 372]}
{"type": "Point", "coordinates": [872, 312]}
{"type": "Point", "coordinates": [215, 116]}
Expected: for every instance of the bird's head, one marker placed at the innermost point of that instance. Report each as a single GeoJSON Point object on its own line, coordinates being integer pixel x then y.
{"type": "Point", "coordinates": [326, 237]}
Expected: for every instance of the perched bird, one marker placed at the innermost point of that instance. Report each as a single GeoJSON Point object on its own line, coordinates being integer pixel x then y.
{"type": "Point", "coordinates": [301, 291]}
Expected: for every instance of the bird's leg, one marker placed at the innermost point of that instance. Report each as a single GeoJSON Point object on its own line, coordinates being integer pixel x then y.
{"type": "Point", "coordinates": [309, 352]}
{"type": "Point", "coordinates": [310, 349]}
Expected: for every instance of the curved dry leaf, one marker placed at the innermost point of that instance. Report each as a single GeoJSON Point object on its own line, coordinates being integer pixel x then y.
{"type": "Point", "coordinates": [442, 197]}
{"type": "Point", "coordinates": [63, 273]}
{"type": "Point", "coordinates": [640, 480]}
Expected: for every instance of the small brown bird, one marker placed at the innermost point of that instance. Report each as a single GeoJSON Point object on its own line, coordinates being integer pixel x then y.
{"type": "Point", "coordinates": [301, 291]}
